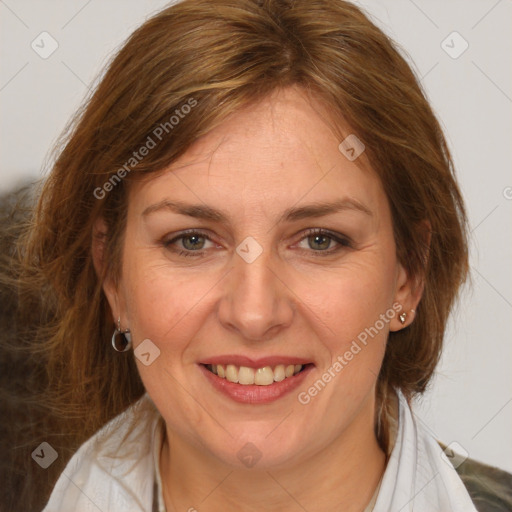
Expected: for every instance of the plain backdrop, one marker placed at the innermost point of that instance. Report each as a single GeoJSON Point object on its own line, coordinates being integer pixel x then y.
{"type": "Point", "coordinates": [470, 401]}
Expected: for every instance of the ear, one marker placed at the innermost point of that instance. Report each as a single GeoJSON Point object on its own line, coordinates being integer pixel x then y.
{"type": "Point", "coordinates": [407, 297]}
{"type": "Point", "coordinates": [409, 289]}
{"type": "Point", "coordinates": [99, 239]}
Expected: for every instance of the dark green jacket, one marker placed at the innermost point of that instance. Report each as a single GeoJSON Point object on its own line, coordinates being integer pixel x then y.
{"type": "Point", "coordinates": [490, 488]}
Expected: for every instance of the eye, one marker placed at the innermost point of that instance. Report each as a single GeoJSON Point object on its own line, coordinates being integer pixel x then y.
{"type": "Point", "coordinates": [190, 243]}
{"type": "Point", "coordinates": [321, 241]}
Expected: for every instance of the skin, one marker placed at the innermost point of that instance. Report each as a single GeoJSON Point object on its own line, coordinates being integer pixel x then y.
{"type": "Point", "coordinates": [277, 154]}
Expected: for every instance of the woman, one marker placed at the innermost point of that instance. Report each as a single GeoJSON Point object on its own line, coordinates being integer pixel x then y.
{"type": "Point", "coordinates": [248, 250]}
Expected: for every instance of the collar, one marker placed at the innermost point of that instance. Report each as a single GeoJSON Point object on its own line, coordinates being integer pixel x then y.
{"type": "Point", "coordinates": [418, 475]}
{"type": "Point", "coordinates": [117, 468]}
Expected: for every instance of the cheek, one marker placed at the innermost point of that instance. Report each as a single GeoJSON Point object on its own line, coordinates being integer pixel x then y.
{"type": "Point", "coordinates": [168, 308]}
{"type": "Point", "coordinates": [164, 304]}
{"type": "Point", "coordinates": [349, 299]}
{"type": "Point", "coordinates": [350, 310]}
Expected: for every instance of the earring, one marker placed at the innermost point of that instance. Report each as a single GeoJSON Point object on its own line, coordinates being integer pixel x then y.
{"type": "Point", "coordinates": [126, 337]}
{"type": "Point", "coordinates": [402, 318]}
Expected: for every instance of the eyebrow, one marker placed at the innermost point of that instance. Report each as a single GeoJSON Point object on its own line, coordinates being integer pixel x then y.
{"type": "Point", "coordinates": [312, 210]}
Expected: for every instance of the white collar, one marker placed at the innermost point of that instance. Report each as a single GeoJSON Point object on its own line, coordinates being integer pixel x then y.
{"type": "Point", "coordinates": [418, 476]}
{"type": "Point", "coordinates": [115, 470]}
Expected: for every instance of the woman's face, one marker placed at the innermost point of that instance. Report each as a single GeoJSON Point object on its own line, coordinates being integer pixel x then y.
{"type": "Point", "coordinates": [254, 288]}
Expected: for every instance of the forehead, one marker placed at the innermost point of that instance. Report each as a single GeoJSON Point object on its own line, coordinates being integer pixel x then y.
{"type": "Point", "coordinates": [275, 153]}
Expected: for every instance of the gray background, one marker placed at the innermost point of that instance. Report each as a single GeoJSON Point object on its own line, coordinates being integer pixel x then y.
{"type": "Point", "coordinates": [470, 401]}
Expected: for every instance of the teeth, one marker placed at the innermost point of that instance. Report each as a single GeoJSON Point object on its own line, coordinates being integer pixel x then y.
{"type": "Point", "coordinates": [246, 375]}
{"type": "Point", "coordinates": [264, 376]}
{"type": "Point", "coordinates": [231, 373]}
{"type": "Point", "coordinates": [279, 373]}
{"type": "Point", "coordinates": [261, 376]}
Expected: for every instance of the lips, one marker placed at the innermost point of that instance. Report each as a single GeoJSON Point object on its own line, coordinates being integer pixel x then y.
{"type": "Point", "coordinates": [255, 381]}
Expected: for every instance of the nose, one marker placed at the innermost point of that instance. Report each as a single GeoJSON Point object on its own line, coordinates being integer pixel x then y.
{"type": "Point", "coordinates": [256, 302]}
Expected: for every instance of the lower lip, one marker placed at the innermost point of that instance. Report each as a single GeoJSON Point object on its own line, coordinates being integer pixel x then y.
{"type": "Point", "coordinates": [252, 393]}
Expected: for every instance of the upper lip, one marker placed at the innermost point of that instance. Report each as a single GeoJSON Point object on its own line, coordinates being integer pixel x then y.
{"type": "Point", "coordinates": [255, 363]}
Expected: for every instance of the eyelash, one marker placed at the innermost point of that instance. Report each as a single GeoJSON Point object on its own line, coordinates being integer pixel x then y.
{"type": "Point", "coordinates": [343, 241]}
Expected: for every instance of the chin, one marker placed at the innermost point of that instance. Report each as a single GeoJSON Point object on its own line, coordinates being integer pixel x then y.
{"type": "Point", "coordinates": [260, 449]}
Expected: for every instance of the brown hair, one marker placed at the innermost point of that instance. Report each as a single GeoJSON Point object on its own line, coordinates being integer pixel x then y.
{"type": "Point", "coordinates": [222, 55]}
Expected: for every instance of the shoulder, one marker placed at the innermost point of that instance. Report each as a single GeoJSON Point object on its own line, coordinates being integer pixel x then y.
{"type": "Point", "coordinates": [490, 488]}
{"type": "Point", "coordinates": [114, 469]}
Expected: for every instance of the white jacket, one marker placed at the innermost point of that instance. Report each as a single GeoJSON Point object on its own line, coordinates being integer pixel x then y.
{"type": "Point", "coordinates": [117, 470]}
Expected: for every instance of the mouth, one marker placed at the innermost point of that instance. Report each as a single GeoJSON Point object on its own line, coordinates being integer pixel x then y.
{"type": "Point", "coordinates": [245, 375]}
{"type": "Point", "coordinates": [255, 384]}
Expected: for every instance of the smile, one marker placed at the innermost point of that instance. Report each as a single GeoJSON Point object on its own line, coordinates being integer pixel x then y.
{"type": "Point", "coordinates": [246, 376]}
{"type": "Point", "coordinates": [261, 383]}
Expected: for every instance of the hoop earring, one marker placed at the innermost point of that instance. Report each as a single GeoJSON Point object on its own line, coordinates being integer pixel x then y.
{"type": "Point", "coordinates": [402, 318]}
{"type": "Point", "coordinates": [126, 337]}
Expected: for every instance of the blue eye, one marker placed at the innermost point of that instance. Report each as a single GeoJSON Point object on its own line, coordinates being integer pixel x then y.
{"type": "Point", "coordinates": [193, 242]}
{"type": "Point", "coordinates": [323, 239]}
